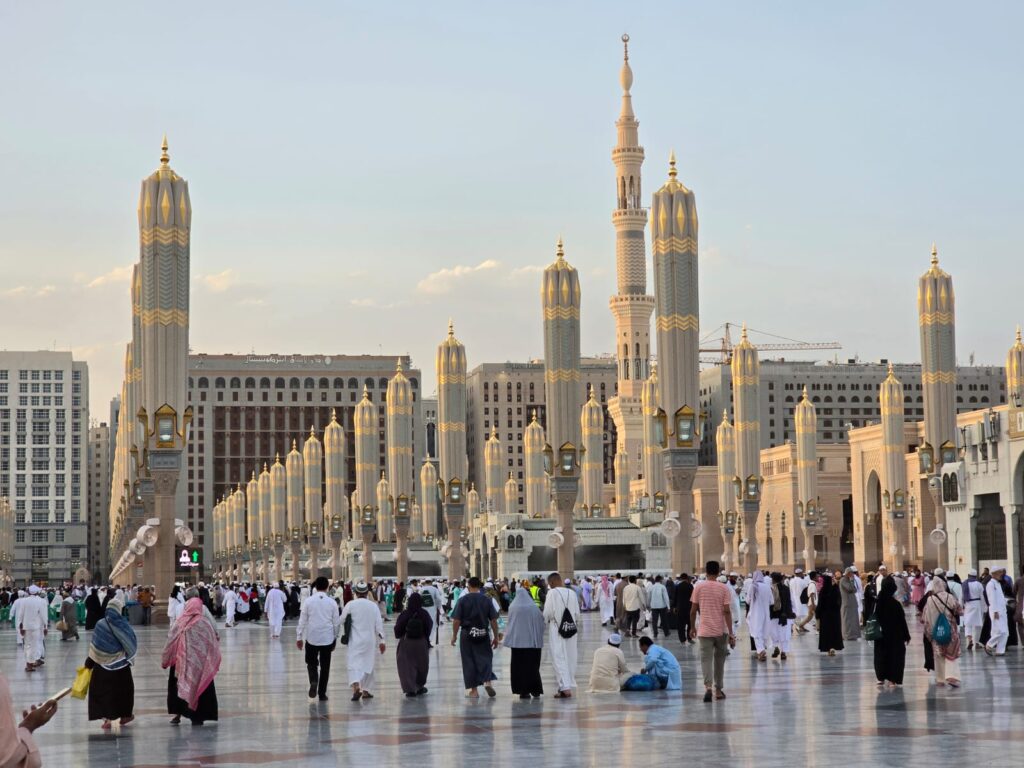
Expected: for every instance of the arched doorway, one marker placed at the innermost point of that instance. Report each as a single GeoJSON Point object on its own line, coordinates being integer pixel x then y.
{"type": "Point", "coordinates": [871, 536]}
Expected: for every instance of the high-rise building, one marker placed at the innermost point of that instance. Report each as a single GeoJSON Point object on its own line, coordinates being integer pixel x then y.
{"type": "Point", "coordinates": [846, 395]}
{"type": "Point", "coordinates": [99, 500]}
{"type": "Point", "coordinates": [44, 470]}
{"type": "Point", "coordinates": [249, 408]}
{"type": "Point", "coordinates": [504, 396]}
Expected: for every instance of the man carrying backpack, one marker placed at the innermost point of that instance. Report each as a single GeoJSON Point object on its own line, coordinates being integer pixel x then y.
{"type": "Point", "coordinates": [808, 598]}
{"type": "Point", "coordinates": [432, 602]}
{"type": "Point", "coordinates": [562, 614]}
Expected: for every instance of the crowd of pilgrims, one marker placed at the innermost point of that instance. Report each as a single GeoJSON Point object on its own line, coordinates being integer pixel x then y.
{"type": "Point", "coordinates": [985, 612]}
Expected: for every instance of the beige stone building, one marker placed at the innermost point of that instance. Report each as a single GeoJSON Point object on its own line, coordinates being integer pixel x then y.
{"type": "Point", "coordinates": [99, 500]}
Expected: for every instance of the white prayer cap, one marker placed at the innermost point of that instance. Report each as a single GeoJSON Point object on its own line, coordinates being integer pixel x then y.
{"type": "Point", "coordinates": [995, 568]}
{"type": "Point", "coordinates": [882, 567]}
{"type": "Point", "coordinates": [361, 587]}
{"type": "Point", "coordinates": [733, 573]}
{"type": "Point", "coordinates": [854, 569]}
{"type": "Point", "coordinates": [939, 572]}
{"type": "Point", "coordinates": [33, 589]}
{"type": "Point", "coordinates": [615, 639]}
{"type": "Point", "coordinates": [849, 569]}
{"type": "Point", "coordinates": [972, 572]}
{"type": "Point", "coordinates": [723, 579]}
{"type": "Point", "coordinates": [798, 570]}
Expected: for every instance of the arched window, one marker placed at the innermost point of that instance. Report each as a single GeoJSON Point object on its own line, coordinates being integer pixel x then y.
{"type": "Point", "coordinates": [789, 398]}
{"type": "Point", "coordinates": [218, 383]}
{"type": "Point", "coordinates": [339, 383]}
{"type": "Point", "coordinates": [972, 399]}
{"type": "Point", "coordinates": [203, 382]}
{"type": "Point", "coordinates": [785, 549]}
{"type": "Point", "coordinates": [324, 384]}
{"type": "Point", "coordinates": [519, 542]}
{"type": "Point", "coordinates": [414, 383]}
{"type": "Point", "coordinates": [867, 398]}
{"type": "Point", "coordinates": [511, 542]}
{"type": "Point", "coordinates": [854, 399]}
{"type": "Point", "coordinates": [309, 383]}
{"type": "Point", "coordinates": [250, 383]}
{"type": "Point", "coordinates": [368, 383]}
{"type": "Point", "coordinates": [353, 384]}
{"type": "Point", "coordinates": [828, 398]}
{"type": "Point", "coordinates": [265, 383]}
{"type": "Point", "coordinates": [840, 399]}
{"type": "Point", "coordinates": [236, 382]}
{"type": "Point", "coordinates": [279, 383]}
{"type": "Point", "coordinates": [954, 487]}
{"type": "Point", "coordinates": [383, 383]}
{"type": "Point", "coordinates": [984, 398]}
{"type": "Point", "coordinates": [908, 399]}
{"type": "Point", "coordinates": [293, 382]}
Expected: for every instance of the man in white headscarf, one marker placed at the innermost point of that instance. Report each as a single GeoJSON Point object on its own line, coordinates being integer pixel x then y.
{"type": "Point", "coordinates": [16, 613]}
{"type": "Point", "coordinates": [563, 649]}
{"type": "Point", "coordinates": [974, 608]}
{"type": "Point", "coordinates": [229, 601]}
{"type": "Point", "coordinates": [275, 610]}
{"type": "Point", "coordinates": [32, 626]}
{"type": "Point", "coordinates": [365, 642]}
{"type": "Point", "coordinates": [996, 645]}
{"type": "Point", "coordinates": [759, 598]}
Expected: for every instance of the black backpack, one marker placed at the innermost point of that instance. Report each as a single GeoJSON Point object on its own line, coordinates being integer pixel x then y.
{"type": "Point", "coordinates": [414, 628]}
{"type": "Point", "coordinates": [804, 597]}
{"type": "Point", "coordinates": [427, 600]}
{"type": "Point", "coordinates": [567, 626]}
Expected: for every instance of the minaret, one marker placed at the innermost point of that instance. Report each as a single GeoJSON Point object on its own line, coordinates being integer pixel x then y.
{"type": "Point", "coordinates": [313, 469]}
{"type": "Point", "coordinates": [364, 516]}
{"type": "Point", "coordinates": [937, 318]}
{"type": "Point", "coordinates": [450, 365]}
{"type": "Point", "coordinates": [219, 538]}
{"type": "Point", "coordinates": [472, 502]}
{"type": "Point", "coordinates": [335, 505]}
{"type": "Point", "coordinates": [535, 486]}
{"type": "Point", "coordinates": [511, 495]}
{"type": "Point", "coordinates": [807, 504]}
{"type": "Point", "coordinates": [894, 469]}
{"type": "Point", "coordinates": [279, 512]}
{"type": "Point", "coordinates": [165, 222]}
{"type": "Point", "coordinates": [725, 443]}
{"type": "Point", "coordinates": [1015, 373]}
{"type": "Point", "coordinates": [592, 465]}
{"type": "Point", "coordinates": [398, 410]}
{"type": "Point", "coordinates": [631, 306]}
{"type": "Point", "coordinates": [238, 512]}
{"type": "Point", "coordinates": [654, 467]}
{"type": "Point", "coordinates": [674, 236]}
{"type": "Point", "coordinates": [252, 522]}
{"type": "Point", "coordinates": [384, 499]}
{"type": "Point", "coordinates": [494, 488]}
{"type": "Point", "coordinates": [428, 499]}
{"type": "Point", "coordinates": [560, 300]}
{"type": "Point", "coordinates": [746, 385]}
{"type": "Point", "coordinates": [621, 465]}
{"type": "Point", "coordinates": [266, 520]}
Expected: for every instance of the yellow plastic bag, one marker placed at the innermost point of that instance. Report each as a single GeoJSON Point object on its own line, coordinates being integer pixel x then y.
{"type": "Point", "coordinates": [80, 687]}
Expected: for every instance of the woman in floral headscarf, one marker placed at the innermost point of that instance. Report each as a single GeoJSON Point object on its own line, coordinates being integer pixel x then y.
{"type": "Point", "coordinates": [193, 656]}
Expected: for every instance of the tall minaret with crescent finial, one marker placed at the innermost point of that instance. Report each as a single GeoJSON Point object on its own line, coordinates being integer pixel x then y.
{"type": "Point", "coordinates": [631, 306]}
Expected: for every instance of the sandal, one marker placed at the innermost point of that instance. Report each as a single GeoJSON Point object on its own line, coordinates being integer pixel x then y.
{"type": "Point", "coordinates": [719, 694]}
{"type": "Point", "coordinates": [125, 720]}
{"type": "Point", "coordinates": [490, 690]}
{"type": "Point", "coordinates": [562, 695]}
{"type": "Point", "coordinates": [105, 725]}
{"type": "Point", "coordinates": [176, 720]}
{"type": "Point", "coordinates": [357, 696]}
{"type": "Point", "coordinates": [367, 695]}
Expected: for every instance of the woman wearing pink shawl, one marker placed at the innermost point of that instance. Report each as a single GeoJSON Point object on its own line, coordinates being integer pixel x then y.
{"type": "Point", "coordinates": [192, 654]}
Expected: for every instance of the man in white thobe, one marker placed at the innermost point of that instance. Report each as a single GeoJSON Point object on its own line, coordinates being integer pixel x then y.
{"type": "Point", "coordinates": [275, 610]}
{"type": "Point", "coordinates": [974, 608]}
{"type": "Point", "coordinates": [796, 588]}
{"type": "Point", "coordinates": [16, 614]}
{"type": "Point", "coordinates": [860, 591]}
{"type": "Point", "coordinates": [32, 626]}
{"type": "Point", "coordinates": [230, 600]}
{"type": "Point", "coordinates": [366, 641]}
{"type": "Point", "coordinates": [759, 622]}
{"type": "Point", "coordinates": [563, 649]}
{"type": "Point", "coordinates": [433, 605]}
{"type": "Point", "coordinates": [996, 645]}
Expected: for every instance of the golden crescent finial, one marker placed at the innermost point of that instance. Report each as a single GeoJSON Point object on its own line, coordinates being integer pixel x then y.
{"type": "Point", "coordinates": [625, 47]}
{"type": "Point", "coordinates": [672, 165]}
{"type": "Point", "coordinates": [164, 157]}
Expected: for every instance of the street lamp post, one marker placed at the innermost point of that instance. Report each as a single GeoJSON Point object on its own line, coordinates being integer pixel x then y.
{"type": "Point", "coordinates": [454, 515]}
{"type": "Point", "coordinates": [402, 522]}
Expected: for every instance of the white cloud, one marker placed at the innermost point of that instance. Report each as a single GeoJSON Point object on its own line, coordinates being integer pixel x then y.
{"type": "Point", "coordinates": [46, 290]}
{"type": "Point", "coordinates": [528, 269]}
{"type": "Point", "coordinates": [219, 282]}
{"type": "Point", "coordinates": [116, 275]}
{"type": "Point", "coordinates": [444, 280]}
{"type": "Point", "coordinates": [364, 303]}
{"type": "Point", "coordinates": [252, 301]}
{"type": "Point", "coordinates": [16, 291]}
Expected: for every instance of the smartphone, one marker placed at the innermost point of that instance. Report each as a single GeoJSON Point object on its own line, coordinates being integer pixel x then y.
{"type": "Point", "coordinates": [59, 695]}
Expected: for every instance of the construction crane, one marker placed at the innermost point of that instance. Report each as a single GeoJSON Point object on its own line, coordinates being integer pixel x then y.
{"type": "Point", "coordinates": [723, 350]}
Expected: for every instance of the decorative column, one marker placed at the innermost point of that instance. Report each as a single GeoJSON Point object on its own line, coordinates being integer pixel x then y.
{"type": "Point", "coordinates": [398, 412]}
{"type": "Point", "coordinates": [592, 463]}
{"type": "Point", "coordinates": [937, 320]}
{"type": "Point", "coordinates": [218, 538]}
{"type": "Point", "coordinates": [364, 422]}
{"type": "Point", "coordinates": [428, 499]}
{"type": "Point", "coordinates": [266, 522]}
{"type": "Point", "coordinates": [165, 220]}
{"type": "Point", "coordinates": [621, 464]}
{"type": "Point", "coordinates": [654, 466]}
{"type": "Point", "coordinates": [511, 495]}
{"type": "Point", "coordinates": [384, 502]}
{"type": "Point", "coordinates": [808, 503]}
{"type": "Point", "coordinates": [746, 384]}
{"type": "Point", "coordinates": [296, 514]}
{"type": "Point", "coordinates": [237, 505]}
{"type": "Point", "coordinates": [674, 234]}
{"type": "Point", "coordinates": [278, 510]}
{"type": "Point", "coordinates": [560, 299]}
{"type": "Point", "coordinates": [450, 365]}
{"type": "Point", "coordinates": [536, 490]}
{"type": "Point", "coordinates": [894, 468]}
{"type": "Point", "coordinates": [401, 523]}
{"type": "Point", "coordinates": [493, 466]}
{"type": "Point", "coordinates": [252, 522]}
{"type": "Point", "coordinates": [312, 462]}
{"type": "Point", "coordinates": [726, 449]}
{"type": "Point", "coordinates": [336, 506]}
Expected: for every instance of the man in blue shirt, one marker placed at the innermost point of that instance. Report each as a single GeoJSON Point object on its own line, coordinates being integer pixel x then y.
{"type": "Point", "coordinates": [661, 665]}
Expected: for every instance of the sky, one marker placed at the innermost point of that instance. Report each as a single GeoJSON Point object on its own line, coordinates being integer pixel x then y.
{"type": "Point", "coordinates": [361, 172]}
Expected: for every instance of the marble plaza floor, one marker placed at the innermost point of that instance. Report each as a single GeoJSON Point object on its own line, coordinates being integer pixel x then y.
{"type": "Point", "coordinates": [810, 710]}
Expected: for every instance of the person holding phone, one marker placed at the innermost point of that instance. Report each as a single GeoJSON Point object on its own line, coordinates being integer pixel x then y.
{"type": "Point", "coordinates": [17, 746]}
